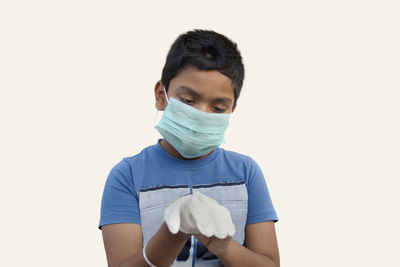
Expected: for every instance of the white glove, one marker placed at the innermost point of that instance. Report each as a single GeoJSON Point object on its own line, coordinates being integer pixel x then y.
{"type": "Point", "coordinates": [199, 214]}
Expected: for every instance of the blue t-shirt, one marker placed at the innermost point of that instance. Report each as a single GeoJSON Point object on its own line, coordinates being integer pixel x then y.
{"type": "Point", "coordinates": [138, 189]}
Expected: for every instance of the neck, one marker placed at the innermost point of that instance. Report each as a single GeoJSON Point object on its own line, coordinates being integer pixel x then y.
{"type": "Point", "coordinates": [174, 153]}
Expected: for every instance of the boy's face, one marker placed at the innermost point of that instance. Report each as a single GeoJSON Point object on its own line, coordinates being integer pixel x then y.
{"type": "Point", "coordinates": [208, 91]}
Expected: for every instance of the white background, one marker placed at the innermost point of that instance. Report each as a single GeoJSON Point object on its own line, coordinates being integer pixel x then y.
{"type": "Point", "coordinates": [319, 112]}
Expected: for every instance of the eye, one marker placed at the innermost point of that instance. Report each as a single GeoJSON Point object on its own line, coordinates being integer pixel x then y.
{"type": "Point", "coordinates": [218, 109]}
{"type": "Point", "coordinates": [186, 100]}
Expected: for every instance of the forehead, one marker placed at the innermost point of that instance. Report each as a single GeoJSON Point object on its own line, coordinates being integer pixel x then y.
{"type": "Point", "coordinates": [207, 83]}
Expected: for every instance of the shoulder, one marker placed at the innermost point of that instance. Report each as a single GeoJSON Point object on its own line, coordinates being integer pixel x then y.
{"type": "Point", "coordinates": [126, 166]}
{"type": "Point", "coordinates": [245, 165]}
{"type": "Point", "coordinates": [238, 158]}
{"type": "Point", "coordinates": [128, 161]}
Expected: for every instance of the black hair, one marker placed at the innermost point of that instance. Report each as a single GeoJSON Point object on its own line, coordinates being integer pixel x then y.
{"type": "Point", "coordinates": [205, 50]}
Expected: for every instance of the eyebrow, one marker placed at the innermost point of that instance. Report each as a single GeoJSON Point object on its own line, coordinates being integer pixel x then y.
{"type": "Point", "coordinates": [189, 91]}
{"type": "Point", "coordinates": [193, 92]}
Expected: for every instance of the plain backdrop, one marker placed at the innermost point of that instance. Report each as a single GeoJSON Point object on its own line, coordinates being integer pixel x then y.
{"type": "Point", "coordinates": [319, 112]}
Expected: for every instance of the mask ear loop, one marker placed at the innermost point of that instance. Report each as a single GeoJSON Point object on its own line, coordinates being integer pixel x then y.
{"type": "Point", "coordinates": [166, 96]}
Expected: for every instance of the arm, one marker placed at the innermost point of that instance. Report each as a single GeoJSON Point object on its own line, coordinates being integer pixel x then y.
{"type": "Point", "coordinates": [123, 245]}
{"type": "Point", "coordinates": [260, 247]}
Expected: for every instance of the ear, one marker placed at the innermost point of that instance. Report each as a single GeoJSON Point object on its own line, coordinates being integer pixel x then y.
{"type": "Point", "coordinates": [161, 102]}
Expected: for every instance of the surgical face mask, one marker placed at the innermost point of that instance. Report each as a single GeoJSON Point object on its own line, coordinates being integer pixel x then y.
{"type": "Point", "coordinates": [193, 133]}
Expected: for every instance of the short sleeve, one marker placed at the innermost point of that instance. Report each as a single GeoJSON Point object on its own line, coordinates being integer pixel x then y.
{"type": "Point", "coordinates": [120, 203]}
{"type": "Point", "coordinates": [260, 206]}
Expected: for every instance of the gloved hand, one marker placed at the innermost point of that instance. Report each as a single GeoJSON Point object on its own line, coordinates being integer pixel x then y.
{"type": "Point", "coordinates": [199, 214]}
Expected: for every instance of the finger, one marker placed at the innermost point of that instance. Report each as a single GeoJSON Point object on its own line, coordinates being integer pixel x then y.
{"type": "Point", "coordinates": [172, 218]}
{"type": "Point", "coordinates": [203, 239]}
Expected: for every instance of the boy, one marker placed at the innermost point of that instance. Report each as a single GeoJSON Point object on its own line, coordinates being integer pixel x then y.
{"type": "Point", "coordinates": [199, 88]}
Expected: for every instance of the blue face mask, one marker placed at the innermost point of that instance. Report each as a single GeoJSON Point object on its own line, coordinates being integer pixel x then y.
{"type": "Point", "coordinates": [193, 133]}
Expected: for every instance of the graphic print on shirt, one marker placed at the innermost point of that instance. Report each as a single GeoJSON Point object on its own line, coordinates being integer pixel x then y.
{"type": "Point", "coordinates": [153, 201]}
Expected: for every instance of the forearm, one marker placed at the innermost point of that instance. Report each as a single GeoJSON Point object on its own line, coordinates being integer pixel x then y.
{"type": "Point", "coordinates": [162, 249]}
{"type": "Point", "coordinates": [238, 255]}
